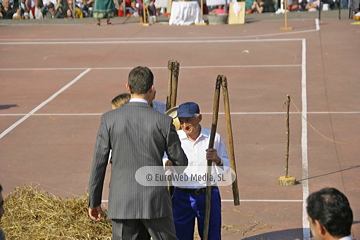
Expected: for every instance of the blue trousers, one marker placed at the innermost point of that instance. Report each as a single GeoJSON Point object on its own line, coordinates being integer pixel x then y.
{"type": "Point", "coordinates": [188, 206]}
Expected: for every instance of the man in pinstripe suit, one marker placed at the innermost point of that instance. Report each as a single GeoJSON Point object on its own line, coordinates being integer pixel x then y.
{"type": "Point", "coordinates": [138, 136]}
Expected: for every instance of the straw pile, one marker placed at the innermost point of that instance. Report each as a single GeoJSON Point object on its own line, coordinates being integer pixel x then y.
{"type": "Point", "coordinates": [34, 214]}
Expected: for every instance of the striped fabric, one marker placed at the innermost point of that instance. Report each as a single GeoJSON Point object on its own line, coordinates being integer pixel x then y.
{"type": "Point", "coordinates": [138, 136]}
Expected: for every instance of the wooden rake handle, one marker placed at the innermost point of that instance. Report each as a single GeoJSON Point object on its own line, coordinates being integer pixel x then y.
{"type": "Point", "coordinates": [209, 163]}
{"type": "Point", "coordinates": [235, 187]}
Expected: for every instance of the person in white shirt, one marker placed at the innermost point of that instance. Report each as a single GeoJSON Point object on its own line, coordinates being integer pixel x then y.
{"type": "Point", "coordinates": [189, 197]}
{"type": "Point", "coordinates": [329, 215]}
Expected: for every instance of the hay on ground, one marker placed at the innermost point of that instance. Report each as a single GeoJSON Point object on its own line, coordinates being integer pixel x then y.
{"type": "Point", "coordinates": [34, 214]}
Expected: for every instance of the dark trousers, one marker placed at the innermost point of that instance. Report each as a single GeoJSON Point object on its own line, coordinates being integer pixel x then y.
{"type": "Point", "coordinates": [152, 10]}
{"type": "Point", "coordinates": [188, 206]}
{"type": "Point", "coordinates": [142, 229]}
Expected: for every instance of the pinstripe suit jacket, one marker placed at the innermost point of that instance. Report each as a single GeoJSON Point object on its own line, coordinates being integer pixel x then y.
{"type": "Point", "coordinates": [138, 136]}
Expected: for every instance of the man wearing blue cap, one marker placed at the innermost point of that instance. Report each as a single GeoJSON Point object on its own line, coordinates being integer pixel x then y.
{"type": "Point", "coordinates": [189, 198]}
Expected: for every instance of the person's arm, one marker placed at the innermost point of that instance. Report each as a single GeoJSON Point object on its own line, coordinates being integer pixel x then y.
{"type": "Point", "coordinates": [43, 9]}
{"type": "Point", "coordinates": [58, 14]}
{"type": "Point", "coordinates": [98, 170]}
{"type": "Point", "coordinates": [174, 151]}
{"type": "Point", "coordinates": [260, 8]}
{"type": "Point", "coordinates": [219, 155]}
{"type": "Point", "coordinates": [78, 13]}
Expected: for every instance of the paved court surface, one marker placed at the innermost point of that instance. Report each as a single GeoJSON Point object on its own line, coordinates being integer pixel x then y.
{"type": "Point", "coordinates": [56, 81]}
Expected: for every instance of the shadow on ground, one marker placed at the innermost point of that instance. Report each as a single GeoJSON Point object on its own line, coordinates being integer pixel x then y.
{"type": "Point", "coordinates": [288, 234]}
{"type": "Point", "coordinates": [2, 107]}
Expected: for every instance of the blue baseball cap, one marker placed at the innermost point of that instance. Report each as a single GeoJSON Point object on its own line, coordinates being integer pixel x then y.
{"type": "Point", "coordinates": [187, 109]}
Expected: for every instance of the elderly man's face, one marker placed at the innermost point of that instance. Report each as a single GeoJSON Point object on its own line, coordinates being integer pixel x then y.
{"type": "Point", "coordinates": [191, 125]}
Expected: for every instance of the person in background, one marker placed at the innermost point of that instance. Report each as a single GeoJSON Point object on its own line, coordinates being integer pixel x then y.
{"type": "Point", "coordinates": [60, 4]}
{"type": "Point", "coordinates": [312, 5]}
{"type": "Point", "coordinates": [219, 10]}
{"type": "Point", "coordinates": [70, 11]}
{"type": "Point", "coordinates": [329, 215]}
{"type": "Point", "coordinates": [7, 11]}
{"type": "Point", "coordinates": [120, 100]}
{"type": "Point", "coordinates": [260, 6]}
{"type": "Point", "coordinates": [50, 12]}
{"type": "Point", "coordinates": [35, 12]}
{"type": "Point", "coordinates": [102, 9]}
{"type": "Point", "coordinates": [149, 5]}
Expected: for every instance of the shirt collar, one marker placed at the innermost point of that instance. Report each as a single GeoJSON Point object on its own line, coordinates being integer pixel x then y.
{"type": "Point", "coordinates": [138, 100]}
{"type": "Point", "coordinates": [346, 238]}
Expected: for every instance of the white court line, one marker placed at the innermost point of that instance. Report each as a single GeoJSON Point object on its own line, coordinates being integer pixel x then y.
{"type": "Point", "coordinates": [304, 146]}
{"type": "Point", "coordinates": [43, 103]}
{"type": "Point", "coordinates": [317, 24]}
{"type": "Point", "coordinates": [246, 200]}
{"type": "Point", "coordinates": [168, 38]}
{"type": "Point", "coordinates": [205, 113]}
{"type": "Point", "coordinates": [129, 68]}
{"type": "Point", "coordinates": [152, 42]}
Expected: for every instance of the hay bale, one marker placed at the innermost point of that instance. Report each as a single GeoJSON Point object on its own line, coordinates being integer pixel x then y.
{"type": "Point", "coordinates": [34, 214]}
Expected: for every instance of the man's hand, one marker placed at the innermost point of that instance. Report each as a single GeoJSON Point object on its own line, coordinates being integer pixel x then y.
{"type": "Point", "coordinates": [169, 167]}
{"type": "Point", "coordinates": [168, 163]}
{"type": "Point", "coordinates": [211, 155]}
{"type": "Point", "coordinates": [95, 213]}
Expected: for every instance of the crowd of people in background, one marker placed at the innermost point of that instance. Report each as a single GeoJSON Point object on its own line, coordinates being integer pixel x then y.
{"type": "Point", "coordinates": [40, 9]}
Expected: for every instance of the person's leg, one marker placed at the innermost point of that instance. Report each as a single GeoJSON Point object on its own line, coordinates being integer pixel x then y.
{"type": "Point", "coordinates": [152, 10]}
{"type": "Point", "coordinates": [141, 14]}
{"type": "Point", "coordinates": [161, 228]}
{"type": "Point", "coordinates": [108, 20]}
{"type": "Point", "coordinates": [355, 5]}
{"type": "Point", "coordinates": [215, 215]}
{"type": "Point", "coordinates": [184, 214]}
{"type": "Point", "coordinates": [129, 229]}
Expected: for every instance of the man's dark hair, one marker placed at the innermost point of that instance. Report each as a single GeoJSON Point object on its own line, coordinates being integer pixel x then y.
{"type": "Point", "coordinates": [140, 80]}
{"type": "Point", "coordinates": [332, 209]}
{"type": "Point", "coordinates": [1, 188]}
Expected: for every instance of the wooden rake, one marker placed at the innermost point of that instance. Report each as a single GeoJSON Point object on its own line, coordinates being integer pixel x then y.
{"type": "Point", "coordinates": [220, 81]}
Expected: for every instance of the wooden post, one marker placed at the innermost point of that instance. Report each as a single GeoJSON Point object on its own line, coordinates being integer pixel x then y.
{"type": "Point", "coordinates": [288, 137]}
{"type": "Point", "coordinates": [235, 187]}
{"type": "Point", "coordinates": [170, 75]}
{"type": "Point", "coordinates": [286, 180]}
{"type": "Point", "coordinates": [209, 163]}
{"type": "Point", "coordinates": [144, 16]}
{"type": "Point", "coordinates": [202, 22]}
{"type": "Point", "coordinates": [174, 84]}
{"type": "Point", "coordinates": [285, 18]}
